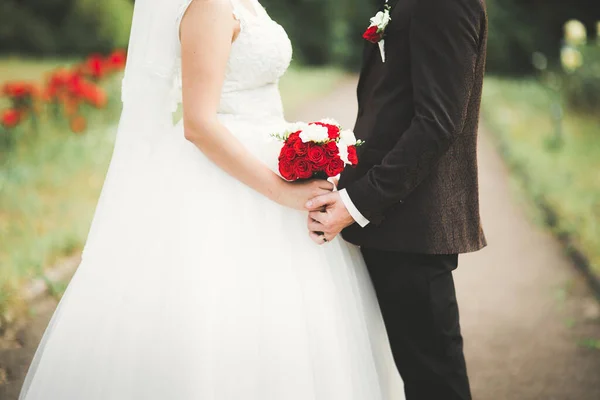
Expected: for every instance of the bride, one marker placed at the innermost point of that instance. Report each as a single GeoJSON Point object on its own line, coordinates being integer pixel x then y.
{"type": "Point", "coordinates": [198, 280]}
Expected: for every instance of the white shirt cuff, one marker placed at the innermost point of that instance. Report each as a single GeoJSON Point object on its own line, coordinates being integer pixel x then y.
{"type": "Point", "coordinates": [358, 217]}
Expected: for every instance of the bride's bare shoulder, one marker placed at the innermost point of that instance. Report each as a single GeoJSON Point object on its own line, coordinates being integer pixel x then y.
{"type": "Point", "coordinates": [217, 8]}
{"type": "Point", "coordinates": [199, 14]}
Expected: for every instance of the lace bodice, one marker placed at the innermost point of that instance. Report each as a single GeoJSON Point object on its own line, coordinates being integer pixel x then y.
{"type": "Point", "coordinates": [259, 56]}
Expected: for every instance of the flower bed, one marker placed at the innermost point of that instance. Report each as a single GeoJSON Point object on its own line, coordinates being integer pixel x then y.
{"type": "Point", "coordinates": [66, 93]}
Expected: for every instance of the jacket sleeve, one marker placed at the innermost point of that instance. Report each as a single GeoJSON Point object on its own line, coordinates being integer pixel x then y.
{"type": "Point", "coordinates": [444, 49]}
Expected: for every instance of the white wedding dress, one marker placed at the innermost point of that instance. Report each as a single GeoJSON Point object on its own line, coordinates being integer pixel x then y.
{"type": "Point", "coordinates": [195, 287]}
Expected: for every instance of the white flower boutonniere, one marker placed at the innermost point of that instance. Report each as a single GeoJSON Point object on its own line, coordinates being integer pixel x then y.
{"type": "Point", "coordinates": [376, 31]}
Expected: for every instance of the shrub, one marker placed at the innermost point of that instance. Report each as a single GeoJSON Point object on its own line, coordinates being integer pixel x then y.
{"type": "Point", "coordinates": [324, 31]}
{"type": "Point", "coordinates": [582, 86]}
{"type": "Point", "coordinates": [581, 63]}
{"type": "Point", "coordinates": [518, 28]}
{"type": "Point", "coordinates": [64, 27]}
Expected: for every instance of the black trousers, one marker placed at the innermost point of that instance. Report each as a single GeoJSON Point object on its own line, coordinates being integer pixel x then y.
{"type": "Point", "coordinates": [418, 302]}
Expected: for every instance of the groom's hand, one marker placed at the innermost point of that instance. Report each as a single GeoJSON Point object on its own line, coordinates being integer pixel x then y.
{"type": "Point", "coordinates": [327, 217]}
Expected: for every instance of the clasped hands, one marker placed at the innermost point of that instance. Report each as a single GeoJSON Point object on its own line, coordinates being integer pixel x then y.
{"type": "Point", "coordinates": [327, 217]}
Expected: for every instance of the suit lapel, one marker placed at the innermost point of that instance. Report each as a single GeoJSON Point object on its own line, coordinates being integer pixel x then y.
{"type": "Point", "coordinates": [372, 48]}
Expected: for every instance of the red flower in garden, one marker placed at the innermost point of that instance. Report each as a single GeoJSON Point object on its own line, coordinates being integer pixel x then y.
{"type": "Point", "coordinates": [78, 124]}
{"type": "Point", "coordinates": [98, 98]}
{"type": "Point", "coordinates": [66, 88]}
{"type": "Point", "coordinates": [91, 93]}
{"type": "Point", "coordinates": [11, 118]}
{"type": "Point", "coordinates": [63, 83]}
{"type": "Point", "coordinates": [19, 90]}
{"type": "Point", "coordinates": [94, 67]}
{"type": "Point", "coordinates": [116, 61]}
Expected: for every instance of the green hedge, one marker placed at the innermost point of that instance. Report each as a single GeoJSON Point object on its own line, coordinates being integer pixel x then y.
{"type": "Point", "coordinates": [582, 86]}
{"type": "Point", "coordinates": [324, 31]}
{"type": "Point", "coordinates": [518, 28]}
{"type": "Point", "coordinates": [63, 27]}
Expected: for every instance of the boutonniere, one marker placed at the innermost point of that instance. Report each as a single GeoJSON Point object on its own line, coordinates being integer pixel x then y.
{"type": "Point", "coordinates": [376, 31]}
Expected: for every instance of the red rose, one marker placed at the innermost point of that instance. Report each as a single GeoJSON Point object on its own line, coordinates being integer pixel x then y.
{"type": "Point", "coordinates": [303, 168]}
{"type": "Point", "coordinates": [331, 149]}
{"type": "Point", "coordinates": [316, 154]}
{"type": "Point", "coordinates": [335, 167]}
{"type": "Point", "coordinates": [286, 170]}
{"type": "Point", "coordinates": [288, 153]}
{"type": "Point", "coordinates": [372, 34]}
{"type": "Point", "coordinates": [293, 138]}
{"type": "Point", "coordinates": [352, 156]}
{"type": "Point", "coordinates": [301, 148]}
{"type": "Point", "coordinates": [11, 118]}
{"type": "Point", "coordinates": [332, 130]}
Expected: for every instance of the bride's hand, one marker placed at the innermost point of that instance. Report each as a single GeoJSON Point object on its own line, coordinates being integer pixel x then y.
{"type": "Point", "coordinates": [297, 194]}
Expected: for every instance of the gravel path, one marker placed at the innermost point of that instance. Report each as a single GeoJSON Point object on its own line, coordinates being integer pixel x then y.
{"type": "Point", "coordinates": [525, 311]}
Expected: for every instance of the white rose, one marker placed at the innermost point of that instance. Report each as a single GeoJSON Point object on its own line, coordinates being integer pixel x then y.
{"type": "Point", "coordinates": [347, 138]}
{"type": "Point", "coordinates": [297, 126]}
{"type": "Point", "coordinates": [386, 19]}
{"type": "Point", "coordinates": [376, 20]}
{"type": "Point", "coordinates": [343, 149]}
{"type": "Point", "coordinates": [314, 133]}
{"type": "Point", "coordinates": [329, 121]}
{"type": "Point", "coordinates": [381, 19]}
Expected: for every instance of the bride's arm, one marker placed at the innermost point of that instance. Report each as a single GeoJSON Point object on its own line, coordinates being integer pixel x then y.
{"type": "Point", "coordinates": [207, 31]}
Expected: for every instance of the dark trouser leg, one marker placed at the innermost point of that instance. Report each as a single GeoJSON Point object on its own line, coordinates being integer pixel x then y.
{"type": "Point", "coordinates": [418, 302]}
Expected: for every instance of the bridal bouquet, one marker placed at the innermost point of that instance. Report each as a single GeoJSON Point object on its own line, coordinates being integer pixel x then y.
{"type": "Point", "coordinates": [316, 150]}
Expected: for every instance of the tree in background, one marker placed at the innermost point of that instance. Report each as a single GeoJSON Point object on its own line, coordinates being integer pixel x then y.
{"type": "Point", "coordinates": [63, 27]}
{"type": "Point", "coordinates": [519, 28]}
{"type": "Point", "coordinates": [324, 31]}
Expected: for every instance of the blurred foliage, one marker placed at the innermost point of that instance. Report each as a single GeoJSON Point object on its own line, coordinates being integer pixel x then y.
{"type": "Point", "coordinates": [518, 28]}
{"type": "Point", "coordinates": [61, 27]}
{"type": "Point", "coordinates": [324, 31]}
{"type": "Point", "coordinates": [581, 86]}
{"type": "Point", "coordinates": [562, 182]}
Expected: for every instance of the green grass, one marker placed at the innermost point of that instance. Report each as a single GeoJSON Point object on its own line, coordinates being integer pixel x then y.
{"type": "Point", "coordinates": [27, 69]}
{"type": "Point", "coordinates": [565, 179]}
{"type": "Point", "coordinates": [50, 186]}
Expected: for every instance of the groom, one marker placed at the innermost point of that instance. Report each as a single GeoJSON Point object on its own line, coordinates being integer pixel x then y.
{"type": "Point", "coordinates": [412, 202]}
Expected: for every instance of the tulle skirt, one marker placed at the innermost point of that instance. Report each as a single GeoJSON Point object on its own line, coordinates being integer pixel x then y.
{"type": "Point", "coordinates": [193, 286]}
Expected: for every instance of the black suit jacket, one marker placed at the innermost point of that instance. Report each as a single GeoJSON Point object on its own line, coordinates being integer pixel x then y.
{"type": "Point", "coordinates": [418, 114]}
